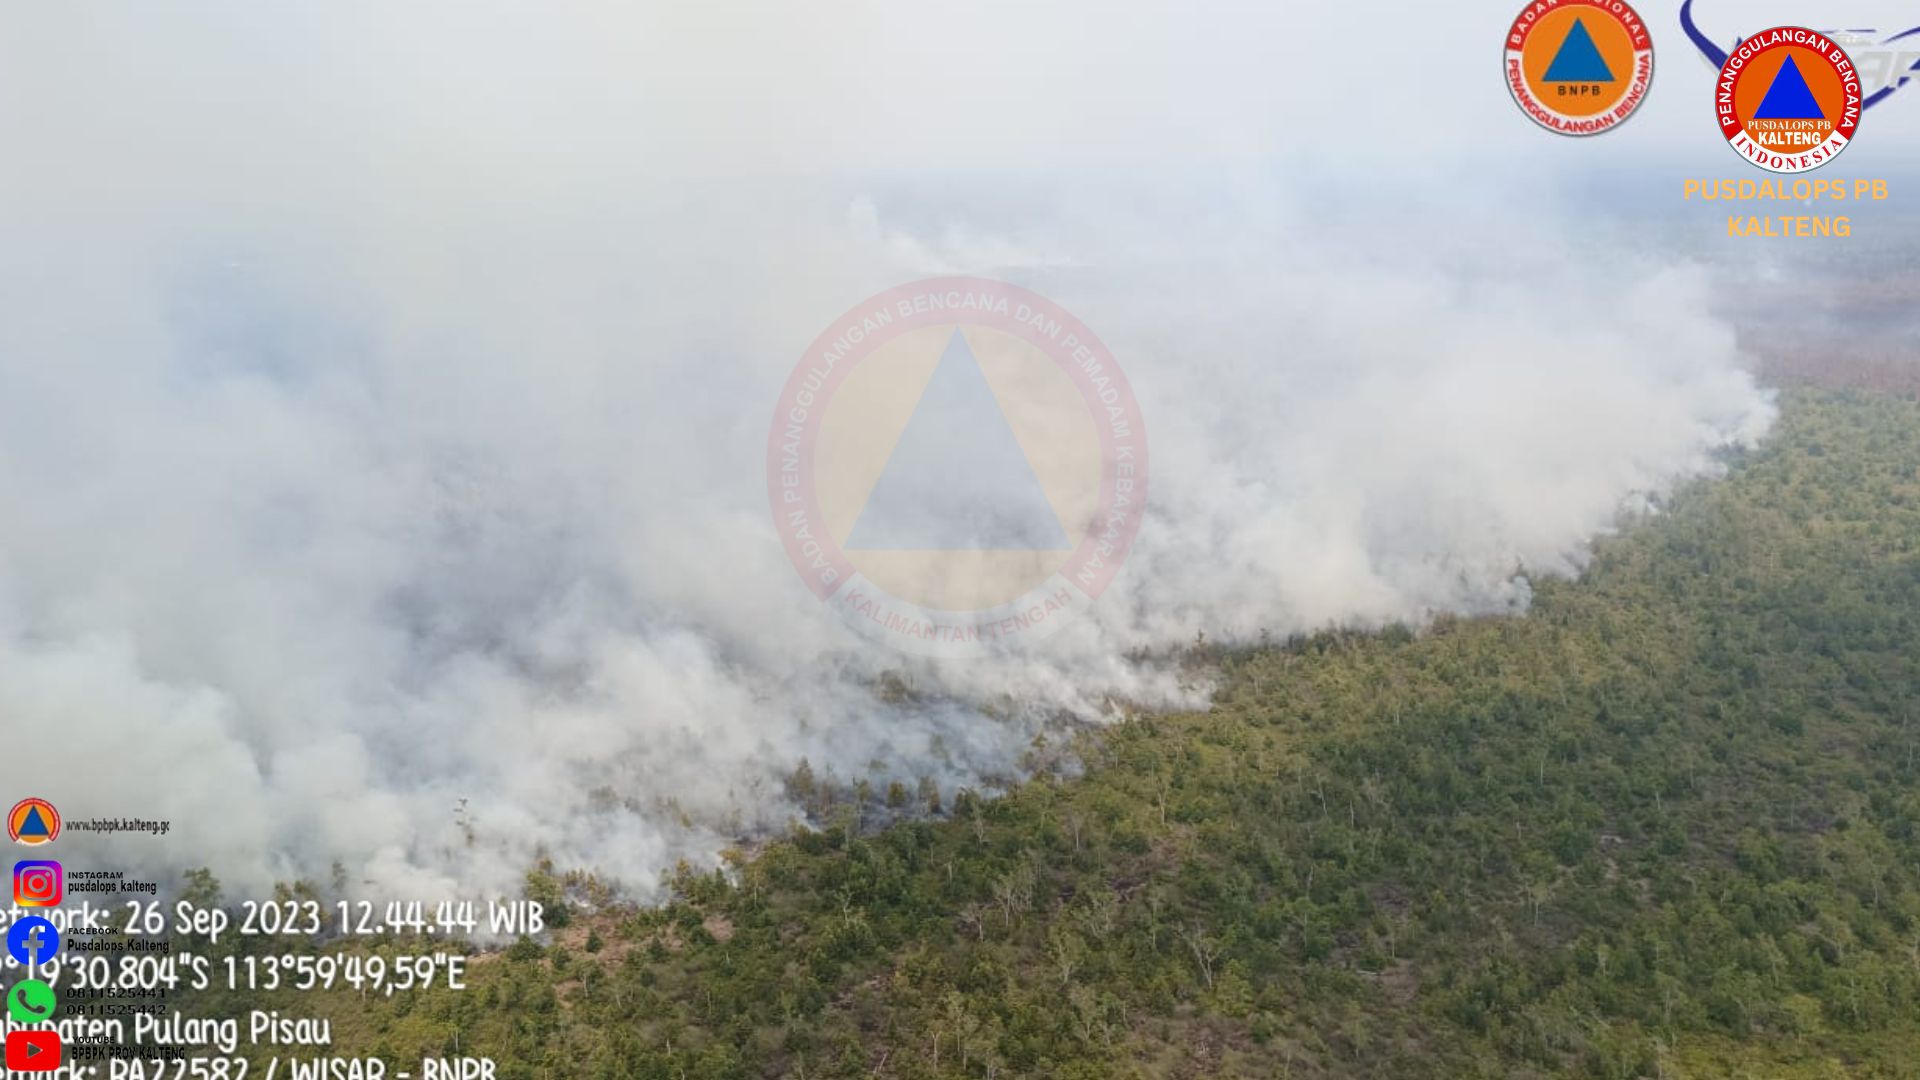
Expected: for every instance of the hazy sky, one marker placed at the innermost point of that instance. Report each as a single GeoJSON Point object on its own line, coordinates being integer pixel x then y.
{"type": "Point", "coordinates": [384, 387]}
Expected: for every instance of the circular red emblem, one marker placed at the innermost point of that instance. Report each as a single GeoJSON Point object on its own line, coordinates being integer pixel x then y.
{"type": "Point", "coordinates": [33, 821]}
{"type": "Point", "coordinates": [1788, 99]}
{"type": "Point", "coordinates": [1579, 67]}
{"type": "Point", "coordinates": [956, 466]}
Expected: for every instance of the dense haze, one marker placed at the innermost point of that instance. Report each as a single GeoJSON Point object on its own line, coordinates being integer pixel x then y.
{"type": "Point", "coordinates": [385, 394]}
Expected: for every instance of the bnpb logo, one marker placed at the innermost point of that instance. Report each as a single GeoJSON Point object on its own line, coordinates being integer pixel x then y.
{"type": "Point", "coordinates": [1579, 67]}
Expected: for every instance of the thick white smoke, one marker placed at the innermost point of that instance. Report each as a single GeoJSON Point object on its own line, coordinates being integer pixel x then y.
{"type": "Point", "coordinates": [383, 396]}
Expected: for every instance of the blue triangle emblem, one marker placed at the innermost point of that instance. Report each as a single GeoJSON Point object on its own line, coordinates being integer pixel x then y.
{"type": "Point", "coordinates": [1578, 59]}
{"type": "Point", "coordinates": [1789, 98]}
{"type": "Point", "coordinates": [958, 480]}
{"type": "Point", "coordinates": [33, 824]}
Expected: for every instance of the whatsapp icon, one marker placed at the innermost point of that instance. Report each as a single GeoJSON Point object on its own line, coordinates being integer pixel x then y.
{"type": "Point", "coordinates": [31, 1002]}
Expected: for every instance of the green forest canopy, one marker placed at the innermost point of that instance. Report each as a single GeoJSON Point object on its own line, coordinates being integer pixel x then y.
{"type": "Point", "coordinates": [1667, 824]}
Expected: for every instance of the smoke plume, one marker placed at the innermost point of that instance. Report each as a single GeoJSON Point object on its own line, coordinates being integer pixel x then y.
{"type": "Point", "coordinates": [384, 389]}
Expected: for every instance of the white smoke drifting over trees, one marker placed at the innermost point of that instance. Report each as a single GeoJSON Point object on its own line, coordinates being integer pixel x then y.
{"type": "Point", "coordinates": [383, 395]}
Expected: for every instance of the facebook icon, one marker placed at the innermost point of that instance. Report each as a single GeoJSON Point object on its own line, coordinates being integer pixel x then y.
{"type": "Point", "coordinates": [33, 940]}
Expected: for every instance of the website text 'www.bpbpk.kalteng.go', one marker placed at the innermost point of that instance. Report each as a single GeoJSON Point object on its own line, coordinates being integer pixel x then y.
{"type": "Point", "coordinates": [120, 825]}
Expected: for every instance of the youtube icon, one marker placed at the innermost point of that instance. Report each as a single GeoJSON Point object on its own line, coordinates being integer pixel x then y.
{"type": "Point", "coordinates": [33, 1051]}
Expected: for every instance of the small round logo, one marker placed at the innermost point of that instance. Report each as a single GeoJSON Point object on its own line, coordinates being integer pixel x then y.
{"type": "Point", "coordinates": [33, 821]}
{"type": "Point", "coordinates": [1788, 99]}
{"type": "Point", "coordinates": [956, 465]}
{"type": "Point", "coordinates": [31, 1002]}
{"type": "Point", "coordinates": [32, 941]}
{"type": "Point", "coordinates": [1579, 67]}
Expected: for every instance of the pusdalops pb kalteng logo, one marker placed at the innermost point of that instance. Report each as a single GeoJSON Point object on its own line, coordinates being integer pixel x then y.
{"type": "Point", "coordinates": [1788, 99]}
{"type": "Point", "coordinates": [956, 466]}
{"type": "Point", "coordinates": [1579, 67]}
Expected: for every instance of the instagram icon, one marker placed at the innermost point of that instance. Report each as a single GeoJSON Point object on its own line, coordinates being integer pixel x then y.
{"type": "Point", "coordinates": [37, 884]}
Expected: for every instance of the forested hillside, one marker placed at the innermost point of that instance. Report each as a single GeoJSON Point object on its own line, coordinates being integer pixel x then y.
{"type": "Point", "coordinates": [1667, 824]}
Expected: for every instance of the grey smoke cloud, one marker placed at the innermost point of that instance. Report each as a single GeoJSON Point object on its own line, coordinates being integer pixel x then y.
{"type": "Point", "coordinates": [384, 389]}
